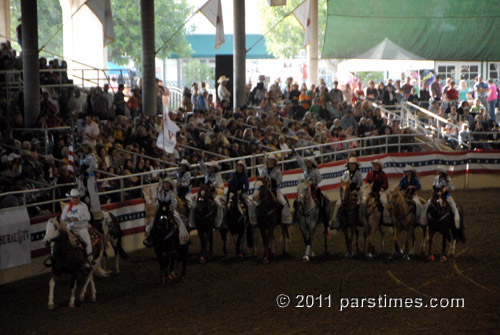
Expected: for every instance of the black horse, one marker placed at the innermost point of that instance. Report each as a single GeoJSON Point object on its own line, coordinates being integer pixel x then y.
{"type": "Point", "coordinates": [236, 219]}
{"type": "Point", "coordinates": [165, 238]}
{"type": "Point", "coordinates": [441, 220]}
{"type": "Point", "coordinates": [205, 213]}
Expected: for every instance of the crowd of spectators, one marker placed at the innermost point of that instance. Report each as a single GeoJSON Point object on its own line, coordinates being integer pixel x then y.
{"type": "Point", "coordinates": [276, 117]}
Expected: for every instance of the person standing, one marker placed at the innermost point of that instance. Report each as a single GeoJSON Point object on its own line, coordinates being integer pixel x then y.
{"type": "Point", "coordinates": [492, 99]}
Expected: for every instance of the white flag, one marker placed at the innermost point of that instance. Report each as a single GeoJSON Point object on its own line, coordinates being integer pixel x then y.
{"type": "Point", "coordinates": [303, 14]}
{"type": "Point", "coordinates": [213, 12]}
{"type": "Point", "coordinates": [166, 139]}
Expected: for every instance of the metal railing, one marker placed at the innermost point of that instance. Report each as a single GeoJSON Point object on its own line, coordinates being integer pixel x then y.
{"type": "Point", "coordinates": [175, 100]}
{"type": "Point", "coordinates": [325, 152]}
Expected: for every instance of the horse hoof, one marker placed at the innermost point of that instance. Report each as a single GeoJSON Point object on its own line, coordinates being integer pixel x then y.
{"type": "Point", "coordinates": [202, 260]}
{"type": "Point", "coordinates": [72, 305]}
{"type": "Point", "coordinates": [369, 257]}
{"type": "Point", "coordinates": [432, 258]}
{"type": "Point", "coordinates": [265, 260]}
{"type": "Point", "coordinates": [443, 258]}
{"type": "Point", "coordinates": [348, 255]}
{"type": "Point", "coordinates": [93, 299]}
{"type": "Point", "coordinates": [51, 306]}
{"type": "Point", "coordinates": [305, 258]}
{"type": "Point", "coordinates": [406, 257]}
{"type": "Point", "coordinates": [240, 256]}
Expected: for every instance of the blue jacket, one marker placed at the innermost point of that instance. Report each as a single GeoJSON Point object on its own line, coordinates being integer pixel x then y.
{"type": "Point", "coordinates": [404, 183]}
{"type": "Point", "coordinates": [238, 181]}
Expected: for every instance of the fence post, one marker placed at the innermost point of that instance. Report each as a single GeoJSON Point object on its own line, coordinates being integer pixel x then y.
{"type": "Point", "coordinates": [46, 142]}
{"type": "Point", "coordinates": [122, 197]}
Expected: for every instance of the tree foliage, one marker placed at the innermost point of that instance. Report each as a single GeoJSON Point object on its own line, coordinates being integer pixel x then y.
{"type": "Point", "coordinates": [169, 16]}
{"type": "Point", "coordinates": [287, 38]}
{"type": "Point", "coordinates": [196, 71]}
{"type": "Point", "coordinates": [49, 21]}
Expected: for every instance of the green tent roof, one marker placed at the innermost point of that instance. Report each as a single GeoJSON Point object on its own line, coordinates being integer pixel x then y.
{"type": "Point", "coordinates": [461, 30]}
{"type": "Point", "coordinates": [203, 46]}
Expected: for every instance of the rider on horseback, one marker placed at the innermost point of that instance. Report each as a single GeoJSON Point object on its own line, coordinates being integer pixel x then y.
{"type": "Point", "coordinates": [77, 216]}
{"type": "Point", "coordinates": [378, 179]}
{"type": "Point", "coordinates": [166, 195]}
{"type": "Point", "coordinates": [355, 179]}
{"type": "Point", "coordinates": [183, 178]}
{"type": "Point", "coordinates": [213, 178]}
{"type": "Point", "coordinates": [238, 180]}
{"type": "Point", "coordinates": [443, 183]}
{"type": "Point", "coordinates": [272, 173]}
{"type": "Point", "coordinates": [313, 177]}
{"type": "Point", "coordinates": [410, 184]}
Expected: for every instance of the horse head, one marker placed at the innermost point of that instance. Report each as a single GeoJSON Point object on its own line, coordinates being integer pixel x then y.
{"type": "Point", "coordinates": [345, 191]}
{"type": "Point", "coordinates": [52, 230]}
{"type": "Point", "coordinates": [395, 198]}
{"type": "Point", "coordinates": [261, 186]}
{"type": "Point", "coordinates": [303, 192]}
{"type": "Point", "coordinates": [366, 193]}
{"type": "Point", "coordinates": [204, 199]}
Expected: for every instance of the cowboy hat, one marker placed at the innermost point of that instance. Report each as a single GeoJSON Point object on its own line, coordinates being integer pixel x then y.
{"type": "Point", "coordinates": [409, 168]}
{"type": "Point", "coordinates": [73, 193]}
{"type": "Point", "coordinates": [442, 169]}
{"type": "Point", "coordinates": [86, 142]}
{"type": "Point", "coordinates": [170, 181]}
{"type": "Point", "coordinates": [186, 163]}
{"type": "Point", "coordinates": [242, 163]}
{"type": "Point", "coordinates": [313, 161]}
{"type": "Point", "coordinates": [353, 160]}
{"type": "Point", "coordinates": [214, 164]}
{"type": "Point", "coordinates": [272, 156]}
{"type": "Point", "coordinates": [222, 78]}
{"type": "Point", "coordinates": [379, 163]}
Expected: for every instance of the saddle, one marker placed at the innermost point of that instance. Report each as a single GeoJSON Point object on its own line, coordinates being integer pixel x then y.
{"type": "Point", "coordinates": [94, 238]}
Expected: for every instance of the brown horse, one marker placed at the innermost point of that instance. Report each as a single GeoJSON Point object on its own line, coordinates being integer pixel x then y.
{"type": "Point", "coordinates": [403, 215]}
{"type": "Point", "coordinates": [348, 216]}
{"type": "Point", "coordinates": [68, 257]}
{"type": "Point", "coordinates": [268, 214]}
{"type": "Point", "coordinates": [441, 220]}
{"type": "Point", "coordinates": [369, 216]}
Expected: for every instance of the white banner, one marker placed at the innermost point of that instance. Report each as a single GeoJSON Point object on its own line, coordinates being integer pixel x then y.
{"type": "Point", "coordinates": [15, 241]}
{"type": "Point", "coordinates": [166, 139]}
{"type": "Point", "coordinates": [212, 10]}
{"type": "Point", "coordinates": [303, 14]}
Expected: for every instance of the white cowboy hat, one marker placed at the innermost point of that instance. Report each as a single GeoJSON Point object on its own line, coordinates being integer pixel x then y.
{"type": "Point", "coordinates": [273, 157]}
{"type": "Point", "coordinates": [170, 181]}
{"type": "Point", "coordinates": [214, 164]}
{"type": "Point", "coordinates": [353, 160]}
{"type": "Point", "coordinates": [379, 163]}
{"type": "Point", "coordinates": [409, 168]}
{"type": "Point", "coordinates": [442, 169]}
{"type": "Point", "coordinates": [222, 79]}
{"type": "Point", "coordinates": [242, 163]}
{"type": "Point", "coordinates": [186, 163]}
{"type": "Point", "coordinates": [73, 193]}
{"type": "Point", "coordinates": [313, 161]}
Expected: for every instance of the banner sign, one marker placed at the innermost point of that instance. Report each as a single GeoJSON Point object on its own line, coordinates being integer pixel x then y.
{"type": "Point", "coordinates": [14, 237]}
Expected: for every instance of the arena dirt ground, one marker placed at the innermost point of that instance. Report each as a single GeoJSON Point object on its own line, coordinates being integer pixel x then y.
{"type": "Point", "coordinates": [226, 296]}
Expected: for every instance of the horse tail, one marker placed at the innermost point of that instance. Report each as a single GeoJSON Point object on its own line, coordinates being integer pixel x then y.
{"type": "Point", "coordinates": [100, 272]}
{"type": "Point", "coordinates": [119, 248]}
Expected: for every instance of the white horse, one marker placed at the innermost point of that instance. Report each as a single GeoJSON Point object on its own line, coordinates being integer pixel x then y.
{"type": "Point", "coordinates": [113, 236]}
{"type": "Point", "coordinates": [307, 217]}
{"type": "Point", "coordinates": [68, 257]}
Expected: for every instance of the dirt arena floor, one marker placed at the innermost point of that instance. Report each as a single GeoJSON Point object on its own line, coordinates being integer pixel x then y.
{"type": "Point", "coordinates": [226, 296]}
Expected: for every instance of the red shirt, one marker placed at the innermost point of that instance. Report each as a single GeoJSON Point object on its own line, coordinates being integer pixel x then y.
{"type": "Point", "coordinates": [452, 94]}
{"type": "Point", "coordinates": [379, 180]}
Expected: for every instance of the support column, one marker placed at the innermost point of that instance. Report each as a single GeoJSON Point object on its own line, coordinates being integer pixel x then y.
{"type": "Point", "coordinates": [239, 57]}
{"type": "Point", "coordinates": [148, 57]}
{"type": "Point", "coordinates": [31, 74]}
{"type": "Point", "coordinates": [312, 49]}
{"type": "Point", "coordinates": [5, 20]}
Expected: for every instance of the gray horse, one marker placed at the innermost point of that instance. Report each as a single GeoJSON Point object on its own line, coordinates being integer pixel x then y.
{"type": "Point", "coordinates": [307, 216]}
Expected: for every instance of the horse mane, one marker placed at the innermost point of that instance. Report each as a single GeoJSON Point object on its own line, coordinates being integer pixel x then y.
{"type": "Point", "coordinates": [64, 230]}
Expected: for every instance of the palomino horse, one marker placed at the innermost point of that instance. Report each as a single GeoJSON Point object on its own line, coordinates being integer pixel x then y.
{"type": "Point", "coordinates": [113, 236]}
{"type": "Point", "coordinates": [237, 219]}
{"type": "Point", "coordinates": [307, 217]}
{"type": "Point", "coordinates": [348, 216]}
{"type": "Point", "coordinates": [268, 214]}
{"type": "Point", "coordinates": [441, 220]}
{"type": "Point", "coordinates": [67, 257]}
{"type": "Point", "coordinates": [205, 213]}
{"type": "Point", "coordinates": [165, 238]}
{"type": "Point", "coordinates": [403, 215]}
{"type": "Point", "coordinates": [369, 217]}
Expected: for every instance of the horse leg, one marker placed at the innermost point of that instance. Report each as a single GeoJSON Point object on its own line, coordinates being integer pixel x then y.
{"type": "Point", "coordinates": [431, 239]}
{"type": "Point", "coordinates": [73, 290]}
{"type": "Point", "coordinates": [211, 243]}
{"type": "Point", "coordinates": [397, 249]}
{"type": "Point", "coordinates": [348, 237]}
{"type": "Point", "coordinates": [265, 242]}
{"type": "Point", "coordinates": [284, 235]}
{"type": "Point", "coordinates": [452, 247]}
{"type": "Point", "coordinates": [255, 241]}
{"type": "Point", "coordinates": [443, 247]}
{"type": "Point", "coordinates": [117, 261]}
{"type": "Point", "coordinates": [52, 284]}
{"type": "Point", "coordinates": [223, 235]}
{"type": "Point", "coordinates": [203, 243]}
{"type": "Point", "coordinates": [93, 291]}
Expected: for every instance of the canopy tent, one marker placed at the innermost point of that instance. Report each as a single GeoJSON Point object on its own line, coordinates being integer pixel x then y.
{"type": "Point", "coordinates": [428, 29]}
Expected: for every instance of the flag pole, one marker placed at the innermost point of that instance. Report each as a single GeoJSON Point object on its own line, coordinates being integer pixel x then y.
{"type": "Point", "coordinates": [273, 27]}
{"type": "Point", "coordinates": [179, 29]}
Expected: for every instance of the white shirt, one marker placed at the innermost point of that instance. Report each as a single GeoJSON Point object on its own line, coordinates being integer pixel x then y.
{"type": "Point", "coordinates": [80, 211]}
{"type": "Point", "coordinates": [92, 129]}
{"type": "Point", "coordinates": [223, 93]}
